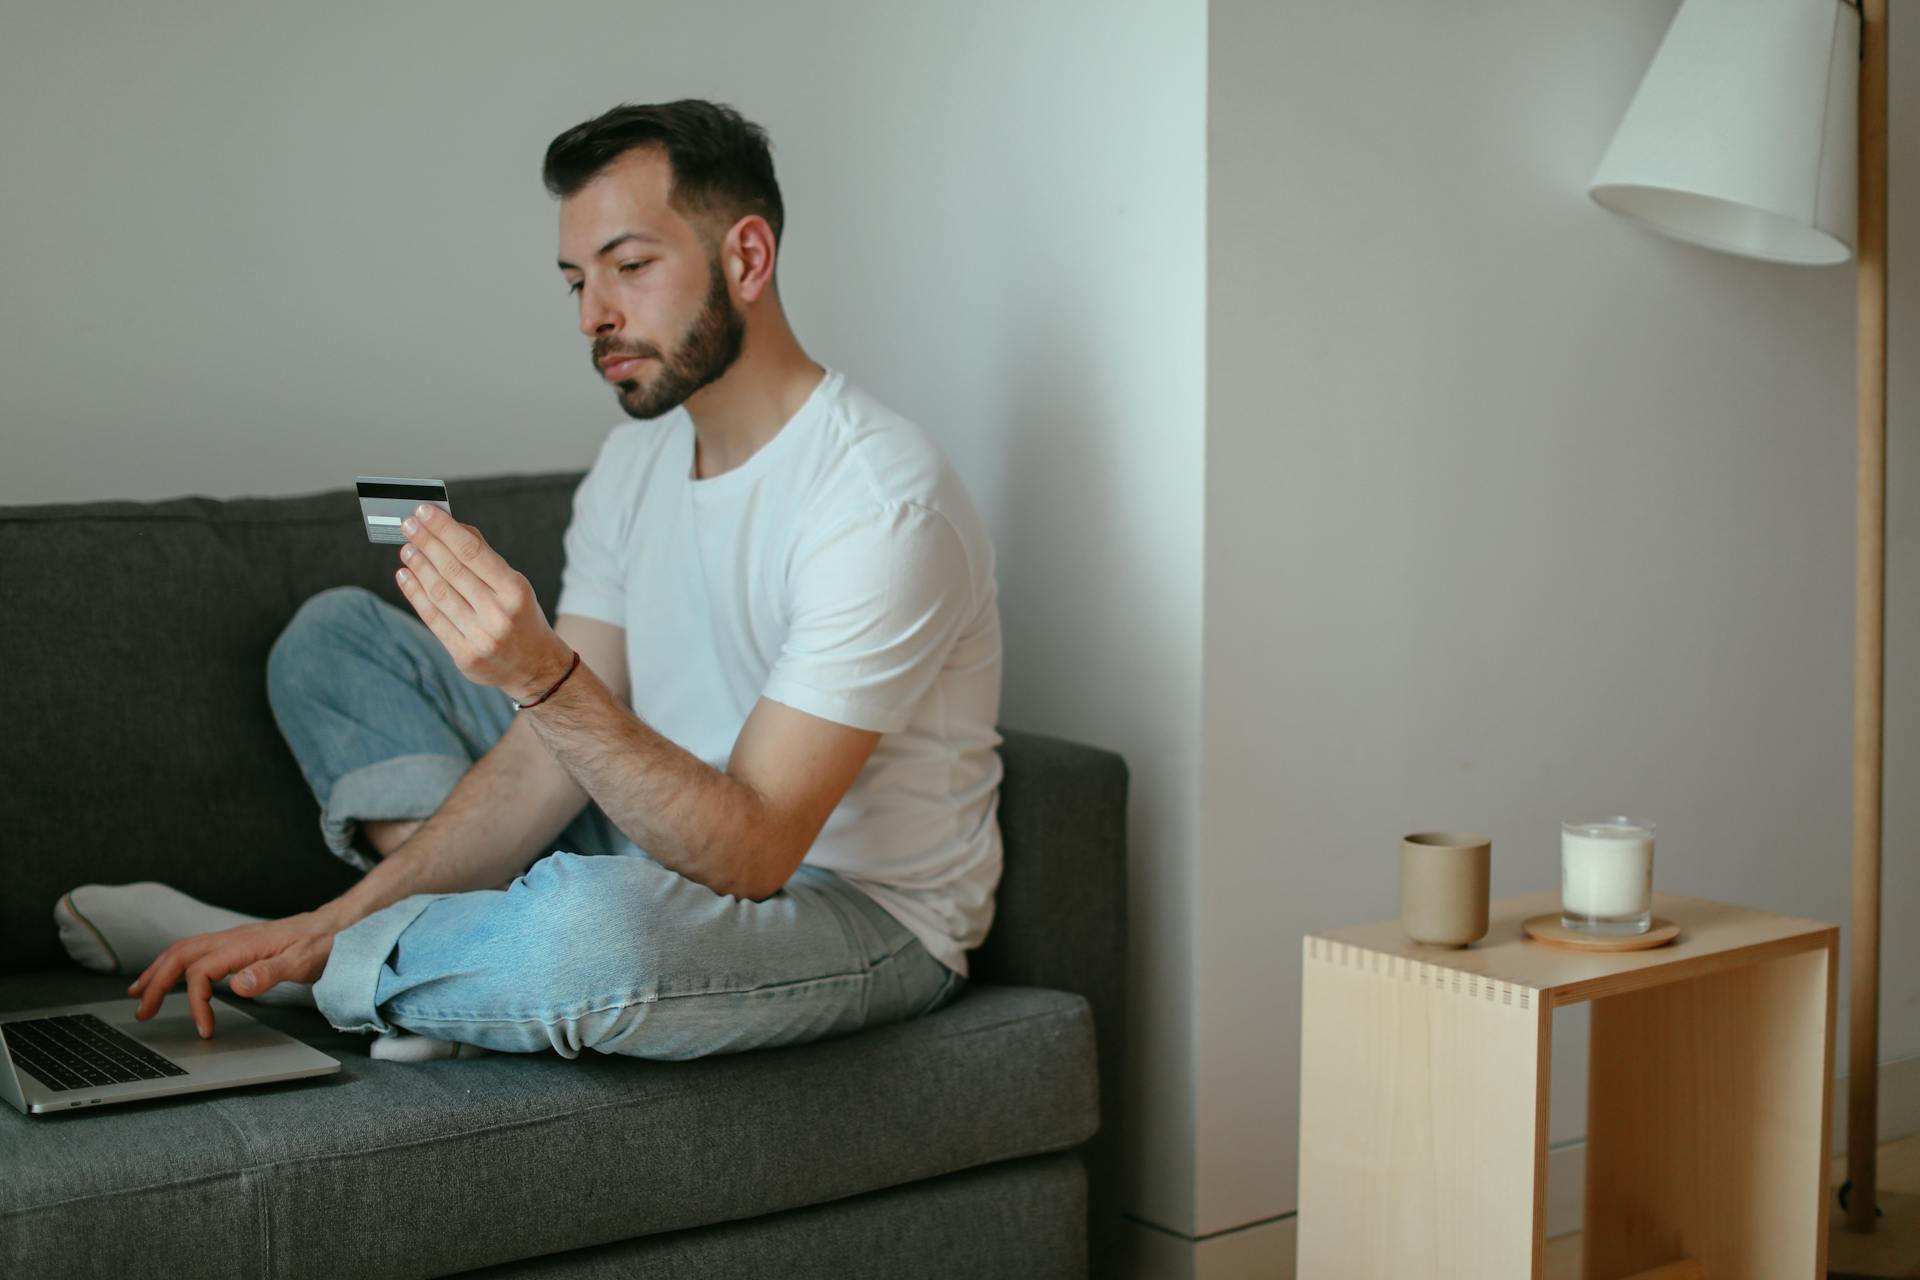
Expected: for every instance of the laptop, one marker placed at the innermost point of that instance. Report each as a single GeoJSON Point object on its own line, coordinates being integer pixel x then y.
{"type": "Point", "coordinates": [86, 1055]}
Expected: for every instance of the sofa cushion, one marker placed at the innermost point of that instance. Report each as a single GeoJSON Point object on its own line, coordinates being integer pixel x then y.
{"type": "Point", "coordinates": [395, 1169]}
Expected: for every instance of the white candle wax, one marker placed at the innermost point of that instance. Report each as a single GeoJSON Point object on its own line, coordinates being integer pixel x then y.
{"type": "Point", "coordinates": [1607, 870]}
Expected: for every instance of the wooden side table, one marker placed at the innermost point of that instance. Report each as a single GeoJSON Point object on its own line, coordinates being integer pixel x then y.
{"type": "Point", "coordinates": [1423, 1098]}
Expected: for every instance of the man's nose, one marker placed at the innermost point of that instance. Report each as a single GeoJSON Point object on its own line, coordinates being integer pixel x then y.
{"type": "Point", "coordinates": [597, 317]}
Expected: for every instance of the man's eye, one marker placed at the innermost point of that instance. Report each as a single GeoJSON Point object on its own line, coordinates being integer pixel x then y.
{"type": "Point", "coordinates": [575, 287]}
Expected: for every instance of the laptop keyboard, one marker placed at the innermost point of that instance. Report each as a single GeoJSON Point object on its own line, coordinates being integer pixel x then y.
{"type": "Point", "coordinates": [77, 1050]}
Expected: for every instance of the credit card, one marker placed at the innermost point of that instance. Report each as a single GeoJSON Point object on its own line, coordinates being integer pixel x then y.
{"type": "Point", "coordinates": [387, 500]}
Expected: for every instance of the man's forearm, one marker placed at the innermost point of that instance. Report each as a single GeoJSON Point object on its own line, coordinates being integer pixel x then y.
{"type": "Point", "coordinates": [690, 817]}
{"type": "Point", "coordinates": [499, 817]}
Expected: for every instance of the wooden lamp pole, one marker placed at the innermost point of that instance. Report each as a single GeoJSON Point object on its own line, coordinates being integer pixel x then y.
{"type": "Point", "coordinates": [1869, 649]}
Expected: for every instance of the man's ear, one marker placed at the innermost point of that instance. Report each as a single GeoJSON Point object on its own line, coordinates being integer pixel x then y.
{"type": "Point", "coordinates": [749, 249]}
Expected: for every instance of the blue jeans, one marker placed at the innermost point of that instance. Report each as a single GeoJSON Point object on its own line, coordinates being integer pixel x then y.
{"type": "Point", "coordinates": [596, 945]}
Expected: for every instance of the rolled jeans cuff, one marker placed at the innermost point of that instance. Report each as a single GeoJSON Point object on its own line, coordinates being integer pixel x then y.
{"type": "Point", "coordinates": [401, 788]}
{"type": "Point", "coordinates": [346, 989]}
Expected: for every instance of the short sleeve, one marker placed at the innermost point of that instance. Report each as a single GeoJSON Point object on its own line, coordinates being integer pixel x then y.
{"type": "Point", "coordinates": [877, 603]}
{"type": "Point", "coordinates": [593, 581]}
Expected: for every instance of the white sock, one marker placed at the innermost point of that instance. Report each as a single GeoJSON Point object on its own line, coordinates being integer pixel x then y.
{"type": "Point", "coordinates": [123, 928]}
{"type": "Point", "coordinates": [405, 1046]}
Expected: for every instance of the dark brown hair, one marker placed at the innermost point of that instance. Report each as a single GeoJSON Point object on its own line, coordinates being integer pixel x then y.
{"type": "Point", "coordinates": [722, 163]}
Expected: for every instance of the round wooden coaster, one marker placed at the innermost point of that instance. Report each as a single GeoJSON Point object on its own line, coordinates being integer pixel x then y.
{"type": "Point", "coordinates": [1548, 929]}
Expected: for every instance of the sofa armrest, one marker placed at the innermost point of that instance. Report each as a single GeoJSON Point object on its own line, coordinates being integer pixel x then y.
{"type": "Point", "coordinates": [1060, 913]}
{"type": "Point", "coordinates": [1060, 921]}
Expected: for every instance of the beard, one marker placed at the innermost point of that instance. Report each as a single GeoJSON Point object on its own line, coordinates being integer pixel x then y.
{"type": "Point", "coordinates": [707, 350]}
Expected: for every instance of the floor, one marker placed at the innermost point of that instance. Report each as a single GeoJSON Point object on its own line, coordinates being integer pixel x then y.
{"type": "Point", "coordinates": [1893, 1250]}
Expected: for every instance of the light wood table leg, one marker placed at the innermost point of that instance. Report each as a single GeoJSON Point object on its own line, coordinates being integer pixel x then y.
{"type": "Point", "coordinates": [1423, 1116]}
{"type": "Point", "coordinates": [1708, 1122]}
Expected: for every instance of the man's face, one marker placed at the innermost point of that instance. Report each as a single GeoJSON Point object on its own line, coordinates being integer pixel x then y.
{"type": "Point", "coordinates": [647, 288]}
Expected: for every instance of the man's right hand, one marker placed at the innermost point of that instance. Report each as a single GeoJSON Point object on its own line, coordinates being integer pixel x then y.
{"type": "Point", "coordinates": [260, 956]}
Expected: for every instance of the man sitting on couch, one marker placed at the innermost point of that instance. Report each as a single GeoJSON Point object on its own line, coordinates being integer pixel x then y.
{"type": "Point", "coordinates": [767, 701]}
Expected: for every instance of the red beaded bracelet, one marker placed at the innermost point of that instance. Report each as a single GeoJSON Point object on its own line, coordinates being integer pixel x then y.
{"type": "Point", "coordinates": [521, 706]}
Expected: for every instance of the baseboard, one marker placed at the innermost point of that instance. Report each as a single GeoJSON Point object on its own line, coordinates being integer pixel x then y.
{"type": "Point", "coordinates": [1897, 1117]}
{"type": "Point", "coordinates": [1566, 1187]}
{"type": "Point", "coordinates": [1898, 1113]}
{"type": "Point", "coordinates": [1154, 1253]}
{"type": "Point", "coordinates": [1267, 1250]}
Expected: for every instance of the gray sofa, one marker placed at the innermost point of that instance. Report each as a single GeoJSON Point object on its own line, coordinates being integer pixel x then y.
{"type": "Point", "coordinates": [982, 1140]}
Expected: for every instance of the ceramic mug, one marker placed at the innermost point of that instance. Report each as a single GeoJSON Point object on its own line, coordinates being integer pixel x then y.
{"type": "Point", "coordinates": [1444, 879]}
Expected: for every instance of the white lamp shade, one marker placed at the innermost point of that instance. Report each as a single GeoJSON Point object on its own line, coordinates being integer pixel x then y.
{"type": "Point", "coordinates": [1743, 135]}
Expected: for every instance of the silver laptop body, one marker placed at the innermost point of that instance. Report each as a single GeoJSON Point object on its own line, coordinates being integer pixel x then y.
{"type": "Point", "coordinates": [241, 1051]}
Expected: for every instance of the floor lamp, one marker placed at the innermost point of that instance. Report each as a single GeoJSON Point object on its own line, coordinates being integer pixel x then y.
{"type": "Point", "coordinates": [1760, 129]}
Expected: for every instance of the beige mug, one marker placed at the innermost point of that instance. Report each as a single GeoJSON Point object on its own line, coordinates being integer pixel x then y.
{"type": "Point", "coordinates": [1444, 878]}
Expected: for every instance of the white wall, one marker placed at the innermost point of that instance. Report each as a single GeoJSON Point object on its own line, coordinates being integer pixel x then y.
{"type": "Point", "coordinates": [258, 249]}
{"type": "Point", "coordinates": [1514, 512]}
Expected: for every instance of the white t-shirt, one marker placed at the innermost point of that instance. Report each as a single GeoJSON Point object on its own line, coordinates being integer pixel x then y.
{"type": "Point", "coordinates": [841, 570]}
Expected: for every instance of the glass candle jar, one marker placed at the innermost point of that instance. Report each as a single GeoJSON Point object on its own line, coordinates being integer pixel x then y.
{"type": "Point", "coordinates": [1606, 876]}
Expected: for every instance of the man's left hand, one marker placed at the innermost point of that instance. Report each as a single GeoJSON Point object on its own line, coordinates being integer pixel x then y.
{"type": "Point", "coordinates": [480, 607]}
